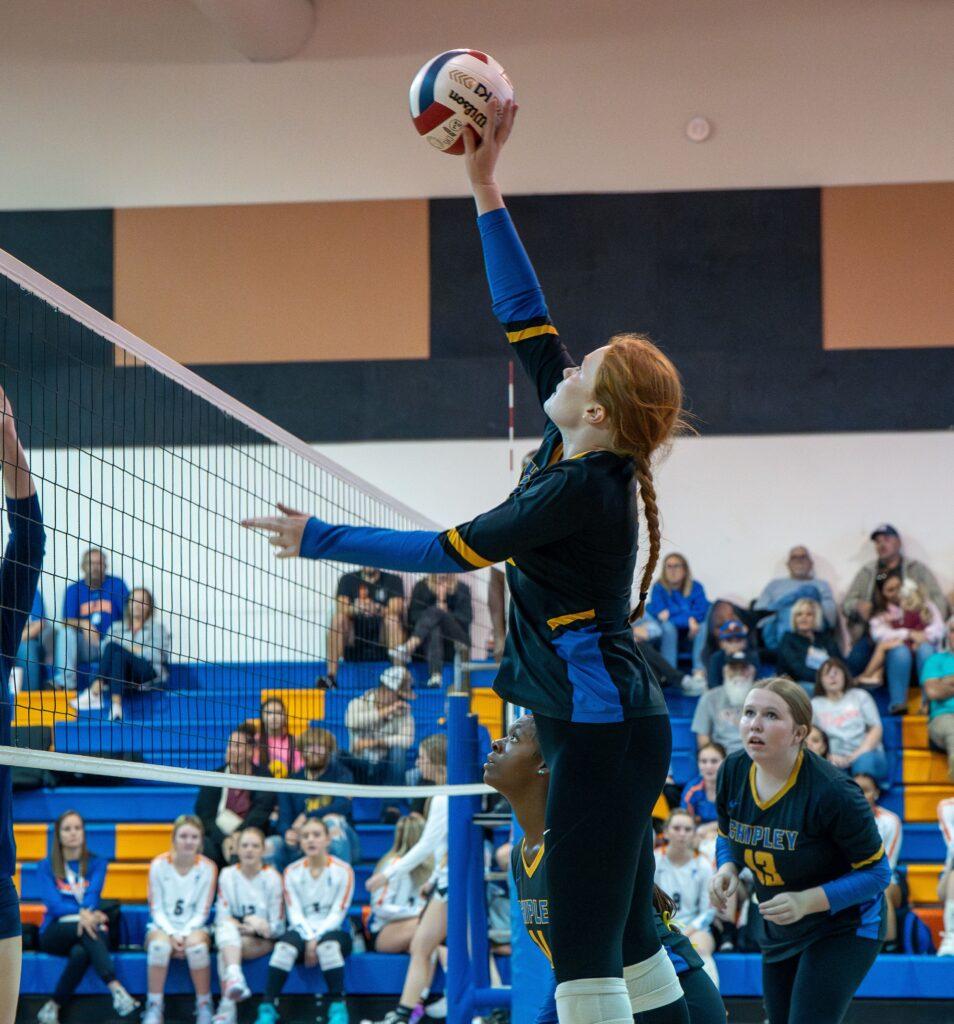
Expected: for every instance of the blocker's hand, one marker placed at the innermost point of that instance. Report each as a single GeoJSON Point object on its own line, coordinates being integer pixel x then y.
{"type": "Point", "coordinates": [786, 908]}
{"type": "Point", "coordinates": [285, 531]}
{"type": "Point", "coordinates": [480, 155]}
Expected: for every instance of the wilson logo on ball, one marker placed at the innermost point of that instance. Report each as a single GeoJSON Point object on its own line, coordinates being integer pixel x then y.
{"type": "Point", "coordinates": [438, 101]}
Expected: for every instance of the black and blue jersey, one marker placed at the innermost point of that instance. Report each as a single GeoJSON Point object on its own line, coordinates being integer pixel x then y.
{"type": "Point", "coordinates": [19, 575]}
{"type": "Point", "coordinates": [818, 830]}
{"type": "Point", "coordinates": [567, 532]}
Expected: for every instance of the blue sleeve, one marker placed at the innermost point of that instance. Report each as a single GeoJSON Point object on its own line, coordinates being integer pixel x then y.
{"type": "Point", "coordinates": [724, 851]}
{"type": "Point", "coordinates": [547, 1014]}
{"type": "Point", "coordinates": [858, 886]}
{"type": "Point", "coordinates": [37, 612]}
{"type": "Point", "coordinates": [71, 602]}
{"type": "Point", "coordinates": [404, 550]}
{"type": "Point", "coordinates": [57, 903]}
{"type": "Point", "coordinates": [698, 602]}
{"type": "Point", "coordinates": [658, 600]}
{"type": "Point", "coordinates": [97, 878]}
{"type": "Point", "coordinates": [19, 574]}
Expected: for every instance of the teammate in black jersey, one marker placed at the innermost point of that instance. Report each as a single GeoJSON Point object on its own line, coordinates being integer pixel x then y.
{"type": "Point", "coordinates": [516, 769]}
{"type": "Point", "coordinates": [807, 834]}
{"type": "Point", "coordinates": [19, 574]}
{"type": "Point", "coordinates": [568, 533]}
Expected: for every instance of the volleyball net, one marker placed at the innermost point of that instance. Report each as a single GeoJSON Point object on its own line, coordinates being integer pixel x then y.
{"type": "Point", "coordinates": [166, 640]}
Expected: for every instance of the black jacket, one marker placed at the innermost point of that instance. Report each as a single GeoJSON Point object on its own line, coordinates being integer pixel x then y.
{"type": "Point", "coordinates": [207, 806]}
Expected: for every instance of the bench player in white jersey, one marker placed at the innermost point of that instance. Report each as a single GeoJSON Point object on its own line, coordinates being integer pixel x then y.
{"type": "Point", "coordinates": [249, 917]}
{"type": "Point", "coordinates": [181, 890]}
{"type": "Point", "coordinates": [318, 891]}
{"type": "Point", "coordinates": [685, 875]}
{"type": "Point", "coordinates": [945, 886]}
{"type": "Point", "coordinates": [396, 907]}
{"type": "Point", "coordinates": [891, 832]}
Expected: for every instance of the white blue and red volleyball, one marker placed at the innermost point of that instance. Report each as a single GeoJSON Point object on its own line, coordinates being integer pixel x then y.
{"type": "Point", "coordinates": [452, 91]}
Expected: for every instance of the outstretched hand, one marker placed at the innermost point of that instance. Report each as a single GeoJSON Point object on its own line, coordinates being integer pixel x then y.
{"type": "Point", "coordinates": [481, 154]}
{"type": "Point", "coordinates": [285, 531]}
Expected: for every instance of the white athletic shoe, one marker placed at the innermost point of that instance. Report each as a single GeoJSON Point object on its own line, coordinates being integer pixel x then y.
{"type": "Point", "coordinates": [152, 1015]}
{"type": "Point", "coordinates": [399, 655]}
{"type": "Point", "coordinates": [235, 987]}
{"type": "Point", "coordinates": [435, 680]}
{"type": "Point", "coordinates": [225, 1014]}
{"type": "Point", "coordinates": [123, 1002]}
{"type": "Point", "coordinates": [203, 1012]}
{"type": "Point", "coordinates": [946, 947]}
{"type": "Point", "coordinates": [694, 685]}
{"type": "Point", "coordinates": [49, 1013]}
{"type": "Point", "coordinates": [116, 713]}
{"type": "Point", "coordinates": [87, 701]}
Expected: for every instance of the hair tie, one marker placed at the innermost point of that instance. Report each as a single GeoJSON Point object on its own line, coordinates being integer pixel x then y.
{"type": "Point", "coordinates": [643, 594]}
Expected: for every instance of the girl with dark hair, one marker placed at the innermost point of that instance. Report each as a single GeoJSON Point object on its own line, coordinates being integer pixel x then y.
{"type": "Point", "coordinates": [568, 533]}
{"type": "Point", "coordinates": [71, 882]}
{"type": "Point", "coordinates": [277, 750]}
{"type": "Point", "coordinates": [805, 831]}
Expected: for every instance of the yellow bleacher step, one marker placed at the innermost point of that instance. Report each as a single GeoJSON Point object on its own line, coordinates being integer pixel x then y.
{"type": "Point", "coordinates": [924, 766]}
{"type": "Point", "coordinates": [914, 732]}
{"type": "Point", "coordinates": [304, 706]}
{"type": "Point", "coordinates": [922, 882]}
{"type": "Point", "coordinates": [128, 882]}
{"type": "Point", "coordinates": [920, 802]}
{"type": "Point", "coordinates": [46, 707]}
{"type": "Point", "coordinates": [31, 841]}
{"type": "Point", "coordinates": [142, 842]}
{"type": "Point", "coordinates": [488, 708]}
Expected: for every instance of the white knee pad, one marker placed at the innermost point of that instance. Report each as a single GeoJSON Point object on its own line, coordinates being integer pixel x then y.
{"type": "Point", "coordinates": [197, 956]}
{"type": "Point", "coordinates": [329, 955]}
{"type": "Point", "coordinates": [227, 934]}
{"type": "Point", "coordinates": [652, 983]}
{"type": "Point", "coordinates": [158, 952]}
{"type": "Point", "coordinates": [283, 956]}
{"type": "Point", "coordinates": [593, 1001]}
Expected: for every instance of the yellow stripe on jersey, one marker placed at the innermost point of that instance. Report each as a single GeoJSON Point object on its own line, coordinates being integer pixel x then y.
{"type": "Point", "coordinates": [530, 332]}
{"type": "Point", "coordinates": [870, 860]}
{"type": "Point", "coordinates": [545, 946]}
{"type": "Point", "coordinates": [565, 620]}
{"type": "Point", "coordinates": [466, 551]}
{"type": "Point", "coordinates": [772, 801]}
{"type": "Point", "coordinates": [535, 863]}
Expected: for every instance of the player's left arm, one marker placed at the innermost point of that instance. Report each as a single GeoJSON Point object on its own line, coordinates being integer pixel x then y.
{"type": "Point", "coordinates": [204, 898]}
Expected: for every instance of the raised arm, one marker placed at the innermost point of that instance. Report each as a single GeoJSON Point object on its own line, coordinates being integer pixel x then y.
{"type": "Point", "coordinates": [518, 300]}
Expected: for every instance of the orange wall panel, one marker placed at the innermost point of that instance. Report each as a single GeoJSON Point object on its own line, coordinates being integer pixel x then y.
{"type": "Point", "coordinates": [281, 282]}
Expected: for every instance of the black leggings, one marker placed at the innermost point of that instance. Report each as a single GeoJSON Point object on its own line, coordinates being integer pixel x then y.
{"type": "Point", "coordinates": [120, 668]}
{"type": "Point", "coordinates": [604, 781]}
{"type": "Point", "coordinates": [702, 997]}
{"type": "Point", "coordinates": [436, 629]}
{"type": "Point", "coordinates": [817, 984]}
{"type": "Point", "coordinates": [60, 939]}
{"type": "Point", "coordinates": [334, 976]}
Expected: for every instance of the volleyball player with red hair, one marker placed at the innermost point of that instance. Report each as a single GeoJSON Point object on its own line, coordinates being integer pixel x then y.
{"type": "Point", "coordinates": [568, 533]}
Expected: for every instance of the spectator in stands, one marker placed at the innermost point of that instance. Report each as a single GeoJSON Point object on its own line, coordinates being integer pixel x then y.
{"type": "Point", "coordinates": [849, 717]}
{"type": "Point", "coordinates": [718, 712]}
{"type": "Point", "coordinates": [733, 636]}
{"type": "Point", "coordinates": [71, 882]}
{"type": "Point", "coordinates": [937, 680]}
{"type": "Point", "coordinates": [889, 825]}
{"type": "Point", "coordinates": [439, 615]}
{"type": "Point", "coordinates": [679, 604]}
{"type": "Point", "coordinates": [817, 742]}
{"type": "Point", "coordinates": [319, 749]}
{"type": "Point", "coordinates": [684, 875]}
{"type": "Point", "coordinates": [135, 655]}
{"type": "Point", "coordinates": [908, 629]}
{"type": "Point", "coordinates": [780, 594]}
{"type": "Point", "coordinates": [381, 729]}
{"type": "Point", "coordinates": [720, 612]}
{"type": "Point", "coordinates": [432, 930]}
{"type": "Point", "coordinates": [249, 917]}
{"type": "Point", "coordinates": [29, 664]}
{"type": "Point", "coordinates": [645, 632]}
{"type": "Point", "coordinates": [807, 645]}
{"type": "Point", "coordinates": [396, 907]}
{"type": "Point", "coordinates": [90, 606]}
{"type": "Point", "coordinates": [698, 798]}
{"type": "Point", "coordinates": [368, 620]}
{"type": "Point", "coordinates": [318, 892]}
{"type": "Point", "coordinates": [859, 603]}
{"type": "Point", "coordinates": [276, 748]}
{"type": "Point", "coordinates": [225, 812]}
{"type": "Point", "coordinates": [181, 890]}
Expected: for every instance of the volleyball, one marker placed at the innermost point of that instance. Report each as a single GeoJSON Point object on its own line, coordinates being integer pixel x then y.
{"type": "Point", "coordinates": [451, 91]}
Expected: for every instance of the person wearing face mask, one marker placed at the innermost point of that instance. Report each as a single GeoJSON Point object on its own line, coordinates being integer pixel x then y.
{"type": "Point", "coordinates": [717, 714]}
{"type": "Point", "coordinates": [805, 831]}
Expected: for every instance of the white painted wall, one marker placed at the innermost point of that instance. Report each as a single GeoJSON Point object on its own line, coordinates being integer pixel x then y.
{"type": "Point", "coordinates": [133, 102]}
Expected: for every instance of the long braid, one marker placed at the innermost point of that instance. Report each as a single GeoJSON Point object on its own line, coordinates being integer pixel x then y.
{"type": "Point", "coordinates": [647, 490]}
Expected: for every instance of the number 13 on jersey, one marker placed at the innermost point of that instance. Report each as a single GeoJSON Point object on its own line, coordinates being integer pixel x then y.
{"type": "Point", "coordinates": [763, 867]}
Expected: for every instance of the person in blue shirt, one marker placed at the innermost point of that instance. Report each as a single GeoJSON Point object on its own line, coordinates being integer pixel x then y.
{"type": "Point", "coordinates": [90, 605]}
{"type": "Point", "coordinates": [19, 574]}
{"type": "Point", "coordinates": [568, 534]}
{"type": "Point", "coordinates": [71, 884]}
{"type": "Point", "coordinates": [30, 652]}
{"type": "Point", "coordinates": [680, 606]}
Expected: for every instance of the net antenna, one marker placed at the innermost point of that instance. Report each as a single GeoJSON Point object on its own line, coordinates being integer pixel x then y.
{"type": "Point", "coordinates": [147, 469]}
